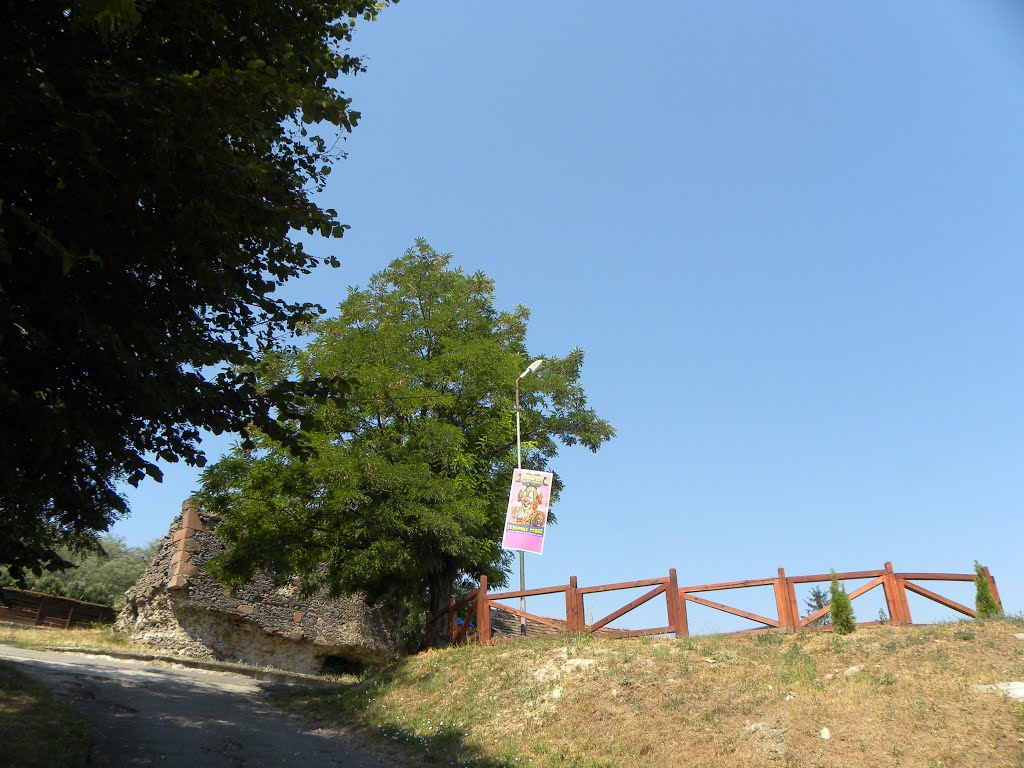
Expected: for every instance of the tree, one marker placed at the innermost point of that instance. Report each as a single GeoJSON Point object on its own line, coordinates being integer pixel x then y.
{"type": "Point", "coordinates": [843, 620]}
{"type": "Point", "coordinates": [95, 577]}
{"type": "Point", "coordinates": [407, 488]}
{"type": "Point", "coordinates": [817, 599]}
{"type": "Point", "coordinates": [985, 605]}
{"type": "Point", "coordinates": [156, 158]}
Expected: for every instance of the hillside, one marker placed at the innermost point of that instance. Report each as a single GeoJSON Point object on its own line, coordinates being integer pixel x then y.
{"type": "Point", "coordinates": [888, 696]}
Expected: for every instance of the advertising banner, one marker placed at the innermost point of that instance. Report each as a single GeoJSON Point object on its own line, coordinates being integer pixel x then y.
{"type": "Point", "coordinates": [527, 517]}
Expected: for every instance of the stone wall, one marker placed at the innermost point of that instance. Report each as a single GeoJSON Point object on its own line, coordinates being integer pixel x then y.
{"type": "Point", "coordinates": [175, 607]}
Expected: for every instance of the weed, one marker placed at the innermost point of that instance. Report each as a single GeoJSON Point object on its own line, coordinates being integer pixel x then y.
{"type": "Point", "coordinates": [797, 666]}
{"type": "Point", "coordinates": [886, 678]}
{"type": "Point", "coordinates": [964, 634]}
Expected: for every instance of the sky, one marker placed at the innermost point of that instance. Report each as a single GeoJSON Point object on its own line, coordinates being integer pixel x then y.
{"type": "Point", "coordinates": [788, 237]}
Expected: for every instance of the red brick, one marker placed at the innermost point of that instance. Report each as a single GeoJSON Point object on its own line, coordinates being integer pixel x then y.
{"type": "Point", "coordinates": [178, 582]}
{"type": "Point", "coordinates": [297, 617]}
{"type": "Point", "coordinates": [190, 545]}
{"type": "Point", "coordinates": [190, 519]}
{"type": "Point", "coordinates": [180, 556]}
{"type": "Point", "coordinates": [184, 533]}
{"type": "Point", "coordinates": [186, 569]}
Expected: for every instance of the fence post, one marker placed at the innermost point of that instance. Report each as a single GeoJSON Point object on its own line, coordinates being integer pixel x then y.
{"type": "Point", "coordinates": [794, 606]}
{"type": "Point", "coordinates": [71, 615]}
{"type": "Point", "coordinates": [683, 622]}
{"type": "Point", "coordinates": [992, 586]}
{"type": "Point", "coordinates": [783, 601]}
{"type": "Point", "coordinates": [581, 616]}
{"type": "Point", "coordinates": [896, 597]}
{"type": "Point", "coordinates": [672, 602]}
{"type": "Point", "coordinates": [571, 623]}
{"type": "Point", "coordinates": [483, 613]}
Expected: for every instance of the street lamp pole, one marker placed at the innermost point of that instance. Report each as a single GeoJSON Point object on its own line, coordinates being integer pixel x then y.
{"type": "Point", "coordinates": [519, 465]}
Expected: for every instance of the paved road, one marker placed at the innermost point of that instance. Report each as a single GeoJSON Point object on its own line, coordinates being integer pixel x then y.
{"type": "Point", "coordinates": [148, 715]}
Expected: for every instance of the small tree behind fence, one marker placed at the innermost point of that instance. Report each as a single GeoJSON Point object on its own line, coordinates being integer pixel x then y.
{"type": "Point", "coordinates": [480, 615]}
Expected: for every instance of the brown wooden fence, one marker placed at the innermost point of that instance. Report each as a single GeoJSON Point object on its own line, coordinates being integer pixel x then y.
{"type": "Point", "coordinates": [479, 608]}
{"type": "Point", "coordinates": [20, 606]}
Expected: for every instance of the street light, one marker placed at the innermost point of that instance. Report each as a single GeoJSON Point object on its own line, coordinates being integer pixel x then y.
{"type": "Point", "coordinates": [519, 465]}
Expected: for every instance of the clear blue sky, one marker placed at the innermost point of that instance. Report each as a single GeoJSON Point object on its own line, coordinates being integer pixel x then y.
{"type": "Point", "coordinates": [788, 236]}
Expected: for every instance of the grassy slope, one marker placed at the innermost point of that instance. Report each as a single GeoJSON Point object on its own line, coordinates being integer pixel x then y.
{"type": "Point", "coordinates": [38, 731]}
{"type": "Point", "coordinates": [712, 701]}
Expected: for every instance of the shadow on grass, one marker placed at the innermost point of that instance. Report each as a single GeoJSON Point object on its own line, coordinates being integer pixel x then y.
{"type": "Point", "coordinates": [351, 704]}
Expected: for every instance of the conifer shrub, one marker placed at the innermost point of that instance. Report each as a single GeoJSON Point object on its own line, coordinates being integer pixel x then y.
{"type": "Point", "coordinates": [843, 620]}
{"type": "Point", "coordinates": [985, 605]}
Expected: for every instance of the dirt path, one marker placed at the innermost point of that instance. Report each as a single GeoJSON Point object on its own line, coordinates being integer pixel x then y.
{"type": "Point", "coordinates": [148, 715]}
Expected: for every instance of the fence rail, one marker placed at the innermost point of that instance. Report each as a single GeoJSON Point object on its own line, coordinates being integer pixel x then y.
{"type": "Point", "coordinates": [20, 606]}
{"type": "Point", "coordinates": [485, 609]}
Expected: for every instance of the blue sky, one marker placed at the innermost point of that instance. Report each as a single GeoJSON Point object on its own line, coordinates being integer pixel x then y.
{"type": "Point", "coordinates": [787, 235]}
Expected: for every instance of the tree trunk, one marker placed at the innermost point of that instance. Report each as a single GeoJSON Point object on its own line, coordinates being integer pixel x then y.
{"type": "Point", "coordinates": [440, 592]}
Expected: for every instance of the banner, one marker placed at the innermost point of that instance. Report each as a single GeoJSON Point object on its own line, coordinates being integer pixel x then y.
{"type": "Point", "coordinates": [527, 517]}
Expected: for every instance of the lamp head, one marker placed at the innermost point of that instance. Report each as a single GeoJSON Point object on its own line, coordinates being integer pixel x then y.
{"type": "Point", "coordinates": [532, 367]}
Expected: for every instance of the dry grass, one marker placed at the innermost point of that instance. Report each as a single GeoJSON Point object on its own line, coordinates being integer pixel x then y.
{"type": "Point", "coordinates": [98, 638]}
{"type": "Point", "coordinates": [889, 697]}
{"type": "Point", "coordinates": [38, 731]}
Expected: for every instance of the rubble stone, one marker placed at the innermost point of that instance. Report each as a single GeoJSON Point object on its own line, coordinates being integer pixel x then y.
{"type": "Point", "coordinates": [177, 608]}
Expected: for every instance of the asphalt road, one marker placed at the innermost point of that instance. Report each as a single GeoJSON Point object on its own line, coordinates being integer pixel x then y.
{"type": "Point", "coordinates": [144, 714]}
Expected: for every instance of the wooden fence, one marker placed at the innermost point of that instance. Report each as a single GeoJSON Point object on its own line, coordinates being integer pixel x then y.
{"type": "Point", "coordinates": [478, 608]}
{"type": "Point", "coordinates": [20, 606]}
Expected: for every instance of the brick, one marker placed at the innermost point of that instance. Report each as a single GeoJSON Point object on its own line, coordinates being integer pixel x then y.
{"type": "Point", "coordinates": [297, 617]}
{"type": "Point", "coordinates": [190, 545]}
{"type": "Point", "coordinates": [177, 582]}
{"type": "Point", "coordinates": [246, 608]}
{"type": "Point", "coordinates": [181, 556]}
{"type": "Point", "coordinates": [190, 519]}
{"type": "Point", "coordinates": [184, 533]}
{"type": "Point", "coordinates": [186, 569]}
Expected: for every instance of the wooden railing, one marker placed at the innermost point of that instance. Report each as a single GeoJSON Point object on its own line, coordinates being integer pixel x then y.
{"type": "Point", "coordinates": [478, 608]}
{"type": "Point", "coordinates": [19, 606]}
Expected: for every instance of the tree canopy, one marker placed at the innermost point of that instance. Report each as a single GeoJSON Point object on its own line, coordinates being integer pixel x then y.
{"type": "Point", "coordinates": [407, 488]}
{"type": "Point", "coordinates": [157, 157]}
{"type": "Point", "coordinates": [95, 577]}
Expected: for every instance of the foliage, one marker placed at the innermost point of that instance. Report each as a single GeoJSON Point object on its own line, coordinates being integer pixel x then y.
{"type": "Point", "coordinates": [817, 599]}
{"type": "Point", "coordinates": [156, 158]}
{"type": "Point", "coordinates": [95, 577]}
{"type": "Point", "coordinates": [985, 605]}
{"type": "Point", "coordinates": [408, 486]}
{"type": "Point", "coordinates": [843, 620]}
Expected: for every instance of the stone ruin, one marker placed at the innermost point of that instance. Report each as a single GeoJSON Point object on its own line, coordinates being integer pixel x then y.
{"type": "Point", "coordinates": [177, 608]}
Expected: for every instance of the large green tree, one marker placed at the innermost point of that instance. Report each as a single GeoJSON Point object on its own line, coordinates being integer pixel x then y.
{"type": "Point", "coordinates": [408, 486]}
{"type": "Point", "coordinates": [155, 158]}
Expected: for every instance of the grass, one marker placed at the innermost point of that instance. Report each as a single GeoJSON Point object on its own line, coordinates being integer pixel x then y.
{"type": "Point", "coordinates": [100, 637]}
{"type": "Point", "coordinates": [39, 731]}
{"type": "Point", "coordinates": [889, 696]}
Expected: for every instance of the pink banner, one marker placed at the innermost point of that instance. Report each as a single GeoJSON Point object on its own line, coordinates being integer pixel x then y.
{"type": "Point", "coordinates": [527, 516]}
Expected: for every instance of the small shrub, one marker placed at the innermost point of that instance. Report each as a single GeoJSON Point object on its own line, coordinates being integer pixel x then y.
{"type": "Point", "coordinates": [964, 634]}
{"type": "Point", "coordinates": [985, 605]}
{"type": "Point", "coordinates": [815, 601]}
{"type": "Point", "coordinates": [843, 620]}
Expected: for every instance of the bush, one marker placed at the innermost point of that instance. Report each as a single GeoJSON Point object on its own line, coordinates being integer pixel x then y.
{"type": "Point", "coordinates": [843, 620]}
{"type": "Point", "coordinates": [985, 605]}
